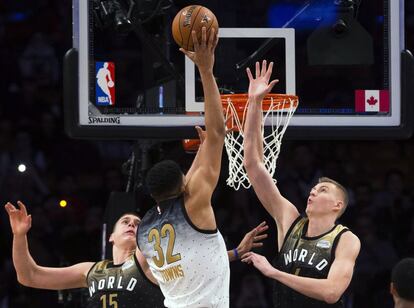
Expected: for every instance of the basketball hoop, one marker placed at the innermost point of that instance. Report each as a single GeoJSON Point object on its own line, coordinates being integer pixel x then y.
{"type": "Point", "coordinates": [278, 109]}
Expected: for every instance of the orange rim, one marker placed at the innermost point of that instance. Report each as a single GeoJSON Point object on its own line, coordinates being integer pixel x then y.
{"type": "Point", "coordinates": [239, 101]}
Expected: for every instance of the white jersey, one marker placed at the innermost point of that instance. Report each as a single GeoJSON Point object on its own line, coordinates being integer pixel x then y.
{"type": "Point", "coordinates": [190, 265]}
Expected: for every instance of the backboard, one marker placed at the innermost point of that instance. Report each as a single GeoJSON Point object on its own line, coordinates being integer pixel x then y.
{"type": "Point", "coordinates": [344, 59]}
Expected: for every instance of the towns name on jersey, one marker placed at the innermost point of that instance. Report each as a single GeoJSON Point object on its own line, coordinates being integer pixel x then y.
{"type": "Point", "coordinates": [172, 273]}
{"type": "Point", "coordinates": [305, 257]}
{"type": "Point", "coordinates": [109, 283]}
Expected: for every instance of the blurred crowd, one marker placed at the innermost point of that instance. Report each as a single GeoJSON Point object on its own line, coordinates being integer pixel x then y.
{"type": "Point", "coordinates": [34, 35]}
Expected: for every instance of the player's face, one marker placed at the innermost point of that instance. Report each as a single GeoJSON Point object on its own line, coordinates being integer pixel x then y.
{"type": "Point", "coordinates": [125, 230]}
{"type": "Point", "coordinates": [322, 199]}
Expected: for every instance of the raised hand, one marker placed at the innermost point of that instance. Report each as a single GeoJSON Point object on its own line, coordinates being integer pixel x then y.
{"type": "Point", "coordinates": [253, 239]}
{"type": "Point", "coordinates": [259, 262]}
{"type": "Point", "coordinates": [20, 222]}
{"type": "Point", "coordinates": [260, 86]}
{"type": "Point", "coordinates": [203, 54]}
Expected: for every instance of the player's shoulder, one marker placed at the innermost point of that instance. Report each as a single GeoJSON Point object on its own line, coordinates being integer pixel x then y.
{"type": "Point", "coordinates": [88, 268]}
{"type": "Point", "coordinates": [350, 236]}
{"type": "Point", "coordinates": [349, 242]}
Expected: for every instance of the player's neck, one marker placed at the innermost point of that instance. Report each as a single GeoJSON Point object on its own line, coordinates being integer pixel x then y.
{"type": "Point", "coordinates": [318, 226]}
{"type": "Point", "coordinates": [121, 255]}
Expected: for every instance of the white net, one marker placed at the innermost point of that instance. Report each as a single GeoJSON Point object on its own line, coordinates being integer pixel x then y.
{"type": "Point", "coordinates": [277, 118]}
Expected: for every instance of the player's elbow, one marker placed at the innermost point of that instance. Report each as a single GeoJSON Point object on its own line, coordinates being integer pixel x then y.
{"type": "Point", "coordinates": [24, 280]}
{"type": "Point", "coordinates": [27, 277]}
{"type": "Point", "coordinates": [332, 296]}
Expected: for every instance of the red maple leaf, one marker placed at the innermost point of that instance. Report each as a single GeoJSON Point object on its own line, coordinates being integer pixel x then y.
{"type": "Point", "coordinates": [372, 101]}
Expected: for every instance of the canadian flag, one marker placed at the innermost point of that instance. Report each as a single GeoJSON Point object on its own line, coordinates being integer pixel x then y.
{"type": "Point", "coordinates": [372, 101]}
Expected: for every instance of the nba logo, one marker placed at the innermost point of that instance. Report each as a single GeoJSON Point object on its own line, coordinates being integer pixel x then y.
{"type": "Point", "coordinates": [105, 83]}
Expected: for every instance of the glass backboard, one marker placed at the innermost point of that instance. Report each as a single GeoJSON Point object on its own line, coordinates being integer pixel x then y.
{"type": "Point", "coordinates": [344, 59]}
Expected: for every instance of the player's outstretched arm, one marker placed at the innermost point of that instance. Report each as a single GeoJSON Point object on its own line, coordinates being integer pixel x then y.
{"type": "Point", "coordinates": [328, 290]}
{"type": "Point", "coordinates": [196, 162]}
{"type": "Point", "coordinates": [251, 239]}
{"type": "Point", "coordinates": [28, 272]}
{"type": "Point", "coordinates": [278, 207]}
{"type": "Point", "coordinates": [209, 154]}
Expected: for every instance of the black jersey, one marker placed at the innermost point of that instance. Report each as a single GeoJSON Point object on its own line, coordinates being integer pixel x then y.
{"type": "Point", "coordinates": [123, 286]}
{"type": "Point", "coordinates": [307, 257]}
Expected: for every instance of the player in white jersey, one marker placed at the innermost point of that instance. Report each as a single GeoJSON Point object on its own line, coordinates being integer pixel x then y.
{"type": "Point", "coordinates": [179, 237]}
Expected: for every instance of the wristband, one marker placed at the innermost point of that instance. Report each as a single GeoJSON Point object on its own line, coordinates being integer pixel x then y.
{"type": "Point", "coordinates": [236, 253]}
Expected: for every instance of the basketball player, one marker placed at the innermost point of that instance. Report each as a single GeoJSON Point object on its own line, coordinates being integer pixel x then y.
{"type": "Point", "coordinates": [316, 256]}
{"type": "Point", "coordinates": [402, 283]}
{"type": "Point", "coordinates": [179, 237]}
{"type": "Point", "coordinates": [121, 280]}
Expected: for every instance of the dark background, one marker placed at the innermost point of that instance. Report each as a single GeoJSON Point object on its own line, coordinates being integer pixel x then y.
{"type": "Point", "coordinates": [34, 35]}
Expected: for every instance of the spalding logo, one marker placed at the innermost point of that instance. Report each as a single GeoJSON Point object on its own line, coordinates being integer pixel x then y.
{"type": "Point", "coordinates": [106, 120]}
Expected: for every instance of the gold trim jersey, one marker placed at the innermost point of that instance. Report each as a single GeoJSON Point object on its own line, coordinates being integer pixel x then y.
{"type": "Point", "coordinates": [123, 286]}
{"type": "Point", "coordinates": [306, 257]}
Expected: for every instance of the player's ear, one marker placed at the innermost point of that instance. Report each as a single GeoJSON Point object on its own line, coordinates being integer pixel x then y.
{"type": "Point", "coordinates": [339, 205]}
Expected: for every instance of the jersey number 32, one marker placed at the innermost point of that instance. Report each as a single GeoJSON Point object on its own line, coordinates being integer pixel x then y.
{"type": "Point", "coordinates": [167, 231]}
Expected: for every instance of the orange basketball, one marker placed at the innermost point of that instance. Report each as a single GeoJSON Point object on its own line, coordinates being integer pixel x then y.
{"type": "Point", "coordinates": [192, 17]}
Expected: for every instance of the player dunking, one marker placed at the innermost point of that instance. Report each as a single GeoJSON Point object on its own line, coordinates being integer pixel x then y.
{"type": "Point", "coordinates": [316, 256]}
{"type": "Point", "coordinates": [179, 236]}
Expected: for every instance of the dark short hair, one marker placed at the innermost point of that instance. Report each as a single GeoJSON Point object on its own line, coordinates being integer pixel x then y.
{"type": "Point", "coordinates": [341, 188]}
{"type": "Point", "coordinates": [403, 278]}
{"type": "Point", "coordinates": [123, 214]}
{"type": "Point", "coordinates": [164, 179]}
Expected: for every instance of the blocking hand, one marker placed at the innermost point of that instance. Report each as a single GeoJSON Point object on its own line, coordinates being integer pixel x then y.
{"type": "Point", "coordinates": [260, 86]}
{"type": "Point", "coordinates": [20, 222]}
{"type": "Point", "coordinates": [253, 239]}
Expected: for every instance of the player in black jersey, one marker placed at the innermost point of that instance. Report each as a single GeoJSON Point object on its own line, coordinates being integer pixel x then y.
{"type": "Point", "coordinates": [316, 256]}
{"type": "Point", "coordinates": [125, 280]}
{"type": "Point", "coordinates": [402, 283]}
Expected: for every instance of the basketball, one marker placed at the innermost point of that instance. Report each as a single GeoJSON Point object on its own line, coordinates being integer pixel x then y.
{"type": "Point", "coordinates": [192, 17]}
